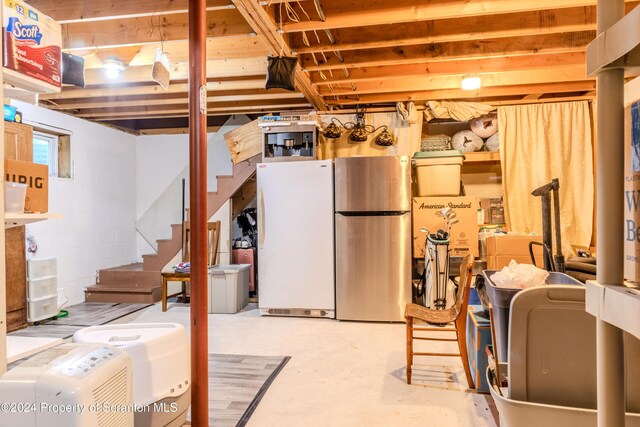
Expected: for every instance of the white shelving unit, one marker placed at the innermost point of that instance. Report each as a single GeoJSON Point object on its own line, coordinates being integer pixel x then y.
{"type": "Point", "coordinates": [615, 306]}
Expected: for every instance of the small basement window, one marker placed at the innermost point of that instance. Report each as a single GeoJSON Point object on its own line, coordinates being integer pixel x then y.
{"type": "Point", "coordinates": [54, 151]}
{"type": "Point", "coordinates": [45, 151]}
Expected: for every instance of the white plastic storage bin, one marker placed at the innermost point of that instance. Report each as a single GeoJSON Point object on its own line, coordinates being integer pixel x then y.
{"type": "Point", "coordinates": [43, 288]}
{"type": "Point", "coordinates": [43, 308]}
{"type": "Point", "coordinates": [228, 288]}
{"type": "Point", "coordinates": [438, 172]}
{"type": "Point", "coordinates": [39, 268]}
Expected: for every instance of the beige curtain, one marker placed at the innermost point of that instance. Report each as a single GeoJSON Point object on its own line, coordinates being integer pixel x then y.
{"type": "Point", "coordinates": [406, 136]}
{"type": "Point", "coordinates": [539, 142]}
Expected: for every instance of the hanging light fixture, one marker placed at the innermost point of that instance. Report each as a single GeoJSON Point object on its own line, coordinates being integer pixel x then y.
{"type": "Point", "coordinates": [113, 67]}
{"type": "Point", "coordinates": [358, 131]}
{"type": "Point", "coordinates": [470, 82]}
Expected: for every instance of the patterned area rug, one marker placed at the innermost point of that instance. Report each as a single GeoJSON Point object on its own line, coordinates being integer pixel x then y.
{"type": "Point", "coordinates": [237, 383]}
{"type": "Point", "coordinates": [80, 316]}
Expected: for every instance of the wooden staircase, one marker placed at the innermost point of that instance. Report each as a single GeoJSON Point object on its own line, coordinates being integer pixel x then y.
{"type": "Point", "coordinates": [141, 282]}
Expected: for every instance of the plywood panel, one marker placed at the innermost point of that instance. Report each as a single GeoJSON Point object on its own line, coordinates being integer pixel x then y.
{"type": "Point", "coordinates": [244, 142]}
{"type": "Point", "coordinates": [16, 277]}
{"type": "Point", "coordinates": [18, 142]}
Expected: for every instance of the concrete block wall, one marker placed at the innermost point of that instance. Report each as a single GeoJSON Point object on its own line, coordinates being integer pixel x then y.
{"type": "Point", "coordinates": [98, 204]}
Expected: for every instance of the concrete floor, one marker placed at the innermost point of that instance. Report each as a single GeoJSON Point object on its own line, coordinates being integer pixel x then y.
{"type": "Point", "coordinates": [342, 373]}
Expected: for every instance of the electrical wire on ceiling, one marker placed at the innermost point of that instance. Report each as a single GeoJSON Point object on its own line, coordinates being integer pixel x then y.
{"type": "Point", "coordinates": [293, 16]}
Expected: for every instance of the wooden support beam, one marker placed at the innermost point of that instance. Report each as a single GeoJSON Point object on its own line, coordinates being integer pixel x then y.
{"type": "Point", "coordinates": [198, 250]}
{"type": "Point", "coordinates": [519, 24]}
{"type": "Point", "coordinates": [128, 31]}
{"type": "Point", "coordinates": [219, 105]}
{"type": "Point", "coordinates": [154, 89]}
{"type": "Point", "coordinates": [262, 24]}
{"type": "Point", "coordinates": [216, 69]}
{"type": "Point", "coordinates": [512, 78]}
{"type": "Point", "coordinates": [532, 96]}
{"type": "Point", "coordinates": [254, 96]}
{"type": "Point", "coordinates": [99, 10]}
{"type": "Point", "coordinates": [341, 14]}
{"type": "Point", "coordinates": [183, 112]}
{"type": "Point", "coordinates": [225, 48]}
{"type": "Point", "coordinates": [484, 92]}
{"type": "Point", "coordinates": [474, 49]}
{"type": "Point", "coordinates": [174, 131]}
{"type": "Point", "coordinates": [464, 66]}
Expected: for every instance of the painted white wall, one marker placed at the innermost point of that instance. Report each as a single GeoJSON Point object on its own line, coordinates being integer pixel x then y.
{"type": "Point", "coordinates": [98, 205]}
{"type": "Point", "coordinates": [161, 158]}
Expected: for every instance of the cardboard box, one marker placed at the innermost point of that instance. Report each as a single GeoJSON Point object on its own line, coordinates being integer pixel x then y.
{"type": "Point", "coordinates": [37, 179]}
{"type": "Point", "coordinates": [32, 48]}
{"type": "Point", "coordinates": [501, 261]}
{"type": "Point", "coordinates": [512, 244]}
{"type": "Point", "coordinates": [464, 236]}
{"type": "Point", "coordinates": [632, 188]}
{"type": "Point", "coordinates": [502, 248]}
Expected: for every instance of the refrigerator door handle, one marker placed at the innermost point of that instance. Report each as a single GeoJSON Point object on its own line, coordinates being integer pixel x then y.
{"type": "Point", "coordinates": [262, 222]}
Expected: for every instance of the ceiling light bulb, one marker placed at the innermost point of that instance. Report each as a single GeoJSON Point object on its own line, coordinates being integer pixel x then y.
{"type": "Point", "coordinates": [113, 67]}
{"type": "Point", "coordinates": [470, 82]}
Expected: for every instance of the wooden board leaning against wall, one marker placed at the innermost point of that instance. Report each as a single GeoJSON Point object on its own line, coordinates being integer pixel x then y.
{"type": "Point", "coordinates": [18, 145]}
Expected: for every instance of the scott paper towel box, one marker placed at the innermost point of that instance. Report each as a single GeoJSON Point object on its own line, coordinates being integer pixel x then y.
{"type": "Point", "coordinates": [31, 42]}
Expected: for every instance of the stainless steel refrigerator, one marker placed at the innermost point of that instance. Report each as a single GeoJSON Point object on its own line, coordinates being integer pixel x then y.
{"type": "Point", "coordinates": [373, 237]}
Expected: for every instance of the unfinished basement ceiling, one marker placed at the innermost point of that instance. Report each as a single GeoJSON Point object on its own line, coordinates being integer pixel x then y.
{"type": "Point", "coordinates": [373, 53]}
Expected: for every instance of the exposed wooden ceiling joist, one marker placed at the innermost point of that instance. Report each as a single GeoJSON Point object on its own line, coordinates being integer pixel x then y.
{"type": "Point", "coordinates": [452, 81]}
{"type": "Point", "coordinates": [453, 30]}
{"type": "Point", "coordinates": [134, 31]}
{"type": "Point", "coordinates": [344, 14]}
{"type": "Point", "coordinates": [488, 92]}
{"type": "Point", "coordinates": [154, 89]}
{"type": "Point", "coordinates": [65, 11]}
{"type": "Point", "coordinates": [262, 24]}
{"type": "Point", "coordinates": [177, 112]}
{"type": "Point", "coordinates": [256, 96]}
{"type": "Point", "coordinates": [217, 68]}
{"type": "Point", "coordinates": [548, 43]}
{"type": "Point", "coordinates": [455, 67]}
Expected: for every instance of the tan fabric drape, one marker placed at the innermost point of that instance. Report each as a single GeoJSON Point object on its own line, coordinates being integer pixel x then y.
{"type": "Point", "coordinates": [539, 142]}
{"type": "Point", "coordinates": [458, 110]}
{"type": "Point", "coordinates": [407, 137]}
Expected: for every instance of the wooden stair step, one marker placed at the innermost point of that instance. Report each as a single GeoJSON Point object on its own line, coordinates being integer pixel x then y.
{"type": "Point", "coordinates": [125, 294]}
{"type": "Point", "coordinates": [227, 186]}
{"type": "Point", "coordinates": [132, 276]}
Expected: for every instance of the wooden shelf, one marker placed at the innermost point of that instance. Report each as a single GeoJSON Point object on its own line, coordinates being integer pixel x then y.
{"type": "Point", "coordinates": [17, 220]}
{"type": "Point", "coordinates": [481, 157]}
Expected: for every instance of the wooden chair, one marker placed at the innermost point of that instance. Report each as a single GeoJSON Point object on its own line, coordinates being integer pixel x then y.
{"type": "Point", "coordinates": [213, 240]}
{"type": "Point", "coordinates": [456, 314]}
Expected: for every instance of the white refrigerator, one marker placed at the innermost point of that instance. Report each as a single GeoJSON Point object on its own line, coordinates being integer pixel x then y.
{"type": "Point", "coordinates": [296, 239]}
